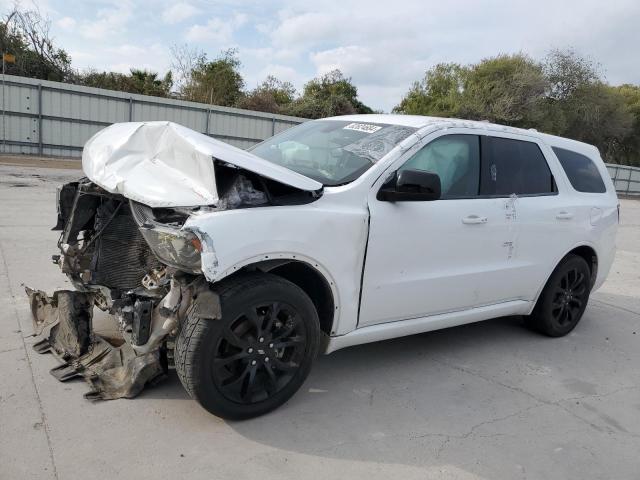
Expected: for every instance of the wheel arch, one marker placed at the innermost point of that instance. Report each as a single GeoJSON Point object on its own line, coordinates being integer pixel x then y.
{"type": "Point", "coordinates": [590, 256]}
{"type": "Point", "coordinates": [585, 251]}
{"type": "Point", "coordinates": [307, 274]}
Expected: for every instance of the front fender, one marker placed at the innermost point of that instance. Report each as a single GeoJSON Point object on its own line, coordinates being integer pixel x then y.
{"type": "Point", "coordinates": [331, 239]}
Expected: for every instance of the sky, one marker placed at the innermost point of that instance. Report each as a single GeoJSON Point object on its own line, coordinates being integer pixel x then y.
{"type": "Point", "coordinates": [384, 46]}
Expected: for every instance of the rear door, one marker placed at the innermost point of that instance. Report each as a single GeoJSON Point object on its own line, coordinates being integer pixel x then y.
{"type": "Point", "coordinates": [515, 167]}
{"type": "Point", "coordinates": [589, 196]}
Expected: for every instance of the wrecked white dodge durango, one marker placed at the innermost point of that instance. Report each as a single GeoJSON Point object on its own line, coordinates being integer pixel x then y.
{"type": "Point", "coordinates": [238, 267]}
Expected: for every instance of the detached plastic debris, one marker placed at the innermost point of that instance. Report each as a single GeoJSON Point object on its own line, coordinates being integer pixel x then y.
{"type": "Point", "coordinates": [111, 371]}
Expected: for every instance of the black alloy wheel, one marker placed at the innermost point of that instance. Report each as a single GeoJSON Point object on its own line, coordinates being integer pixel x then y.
{"type": "Point", "coordinates": [254, 358]}
{"type": "Point", "coordinates": [569, 296]}
{"type": "Point", "coordinates": [259, 352]}
{"type": "Point", "coordinates": [563, 299]}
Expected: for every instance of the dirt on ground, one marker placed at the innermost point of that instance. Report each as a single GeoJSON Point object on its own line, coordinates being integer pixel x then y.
{"type": "Point", "coordinates": [41, 162]}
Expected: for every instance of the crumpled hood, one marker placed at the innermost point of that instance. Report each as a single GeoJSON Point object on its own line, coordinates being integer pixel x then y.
{"type": "Point", "coordinates": [163, 164]}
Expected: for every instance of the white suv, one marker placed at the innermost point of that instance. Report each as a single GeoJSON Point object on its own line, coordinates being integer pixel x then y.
{"type": "Point", "coordinates": [241, 266]}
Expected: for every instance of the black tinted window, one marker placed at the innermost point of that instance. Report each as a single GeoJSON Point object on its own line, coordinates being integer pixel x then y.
{"type": "Point", "coordinates": [456, 160]}
{"type": "Point", "coordinates": [582, 172]}
{"type": "Point", "coordinates": [513, 166]}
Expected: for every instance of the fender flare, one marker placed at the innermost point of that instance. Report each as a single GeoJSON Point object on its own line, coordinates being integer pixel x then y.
{"type": "Point", "coordinates": [269, 261]}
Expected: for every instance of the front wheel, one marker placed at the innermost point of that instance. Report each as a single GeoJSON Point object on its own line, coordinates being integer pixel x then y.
{"type": "Point", "coordinates": [564, 298]}
{"type": "Point", "coordinates": [257, 355]}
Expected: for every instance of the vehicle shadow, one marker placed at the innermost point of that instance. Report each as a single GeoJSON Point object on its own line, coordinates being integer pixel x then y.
{"type": "Point", "coordinates": [478, 398]}
{"type": "Point", "coordinates": [399, 401]}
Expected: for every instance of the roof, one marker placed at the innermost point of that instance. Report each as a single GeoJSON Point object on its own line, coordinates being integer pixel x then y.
{"type": "Point", "coordinates": [420, 121]}
{"type": "Point", "coordinates": [417, 121]}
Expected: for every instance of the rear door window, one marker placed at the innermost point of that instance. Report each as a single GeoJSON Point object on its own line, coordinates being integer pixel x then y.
{"type": "Point", "coordinates": [514, 167]}
{"type": "Point", "coordinates": [581, 171]}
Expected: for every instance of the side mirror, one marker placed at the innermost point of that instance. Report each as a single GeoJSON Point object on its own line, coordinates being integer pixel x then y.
{"type": "Point", "coordinates": [411, 186]}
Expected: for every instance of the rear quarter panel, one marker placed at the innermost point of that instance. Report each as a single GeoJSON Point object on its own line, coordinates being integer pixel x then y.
{"type": "Point", "coordinates": [595, 221]}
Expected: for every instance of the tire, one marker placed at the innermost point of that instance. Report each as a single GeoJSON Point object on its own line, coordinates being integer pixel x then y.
{"type": "Point", "coordinates": [224, 365]}
{"type": "Point", "coordinates": [564, 298]}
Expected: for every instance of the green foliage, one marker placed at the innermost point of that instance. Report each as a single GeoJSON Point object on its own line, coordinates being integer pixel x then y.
{"type": "Point", "coordinates": [137, 81]}
{"type": "Point", "coordinates": [567, 71]}
{"type": "Point", "coordinates": [506, 89]}
{"type": "Point", "coordinates": [272, 96]}
{"type": "Point", "coordinates": [438, 94]}
{"type": "Point", "coordinates": [564, 95]}
{"type": "Point", "coordinates": [328, 95]}
{"type": "Point", "coordinates": [25, 34]}
{"type": "Point", "coordinates": [217, 82]}
{"type": "Point", "coordinates": [580, 105]}
{"type": "Point", "coordinates": [629, 150]}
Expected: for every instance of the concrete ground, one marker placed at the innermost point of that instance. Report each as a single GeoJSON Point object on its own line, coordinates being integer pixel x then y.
{"type": "Point", "coordinates": [489, 400]}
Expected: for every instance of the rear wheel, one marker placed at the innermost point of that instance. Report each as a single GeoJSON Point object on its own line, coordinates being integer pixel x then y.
{"type": "Point", "coordinates": [257, 355]}
{"type": "Point", "coordinates": [564, 298]}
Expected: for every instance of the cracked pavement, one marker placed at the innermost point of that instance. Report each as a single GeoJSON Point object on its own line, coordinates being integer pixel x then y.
{"type": "Point", "coordinates": [483, 401]}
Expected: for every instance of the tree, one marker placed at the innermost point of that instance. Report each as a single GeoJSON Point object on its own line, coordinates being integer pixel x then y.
{"type": "Point", "coordinates": [137, 81]}
{"type": "Point", "coordinates": [580, 105]}
{"type": "Point", "coordinates": [25, 34]}
{"type": "Point", "coordinates": [148, 83]}
{"type": "Point", "coordinates": [564, 95]}
{"type": "Point", "coordinates": [272, 96]}
{"type": "Point", "coordinates": [597, 114]}
{"type": "Point", "coordinates": [629, 151]}
{"type": "Point", "coordinates": [328, 95]}
{"type": "Point", "coordinates": [567, 71]}
{"type": "Point", "coordinates": [438, 94]}
{"type": "Point", "coordinates": [217, 82]}
{"type": "Point", "coordinates": [184, 61]}
{"type": "Point", "coordinates": [505, 89]}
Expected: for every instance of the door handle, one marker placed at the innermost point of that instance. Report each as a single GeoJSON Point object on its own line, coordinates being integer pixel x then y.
{"type": "Point", "coordinates": [564, 216]}
{"type": "Point", "coordinates": [474, 219]}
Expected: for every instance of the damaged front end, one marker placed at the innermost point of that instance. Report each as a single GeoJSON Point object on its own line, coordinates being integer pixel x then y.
{"type": "Point", "coordinates": [133, 262]}
{"type": "Point", "coordinates": [127, 249]}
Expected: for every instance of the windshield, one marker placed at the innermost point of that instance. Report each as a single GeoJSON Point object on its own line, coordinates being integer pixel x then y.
{"type": "Point", "coordinates": [333, 152]}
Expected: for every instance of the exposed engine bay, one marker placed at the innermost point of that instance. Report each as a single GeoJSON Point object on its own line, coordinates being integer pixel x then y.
{"type": "Point", "coordinates": [140, 265]}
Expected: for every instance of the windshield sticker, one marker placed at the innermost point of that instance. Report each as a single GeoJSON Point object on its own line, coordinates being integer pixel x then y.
{"type": "Point", "coordinates": [376, 145]}
{"type": "Point", "coordinates": [363, 127]}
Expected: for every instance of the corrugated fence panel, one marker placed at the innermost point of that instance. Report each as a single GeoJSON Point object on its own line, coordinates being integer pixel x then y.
{"type": "Point", "coordinates": [194, 119]}
{"type": "Point", "coordinates": [57, 132]}
{"type": "Point", "coordinates": [280, 127]}
{"type": "Point", "coordinates": [625, 178]}
{"type": "Point", "coordinates": [56, 119]}
{"type": "Point", "coordinates": [227, 126]}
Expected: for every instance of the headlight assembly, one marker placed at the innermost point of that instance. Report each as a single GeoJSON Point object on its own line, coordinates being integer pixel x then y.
{"type": "Point", "coordinates": [177, 248]}
{"type": "Point", "coordinates": [171, 244]}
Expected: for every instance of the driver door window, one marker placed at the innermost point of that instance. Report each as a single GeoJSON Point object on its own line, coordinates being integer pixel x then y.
{"type": "Point", "coordinates": [456, 160]}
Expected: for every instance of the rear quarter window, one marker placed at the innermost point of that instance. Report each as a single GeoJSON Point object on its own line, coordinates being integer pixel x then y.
{"type": "Point", "coordinates": [581, 171]}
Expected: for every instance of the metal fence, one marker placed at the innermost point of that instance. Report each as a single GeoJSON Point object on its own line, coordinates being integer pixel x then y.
{"type": "Point", "coordinates": [56, 119]}
{"type": "Point", "coordinates": [626, 179]}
